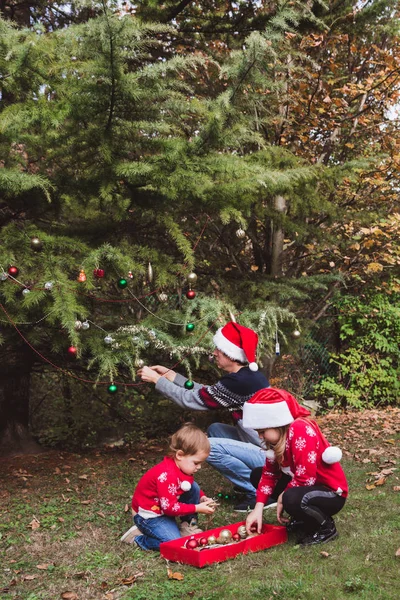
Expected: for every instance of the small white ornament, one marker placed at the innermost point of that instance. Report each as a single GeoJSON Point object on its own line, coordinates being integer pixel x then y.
{"type": "Point", "coordinates": [332, 455]}
{"type": "Point", "coordinates": [85, 325]}
{"type": "Point", "coordinates": [78, 325]}
{"type": "Point", "coordinates": [108, 339]}
{"type": "Point", "coordinates": [48, 285]}
{"type": "Point", "coordinates": [296, 333]}
{"type": "Point", "coordinates": [26, 291]}
{"type": "Point", "coordinates": [163, 297]}
{"type": "Point", "coordinates": [186, 486]}
{"type": "Point", "coordinates": [139, 363]}
{"type": "Point", "coordinates": [240, 233]}
{"type": "Point", "coordinates": [3, 276]}
{"type": "Point", "coordinates": [277, 349]}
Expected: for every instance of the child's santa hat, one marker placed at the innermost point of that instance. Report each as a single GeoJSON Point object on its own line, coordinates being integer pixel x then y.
{"type": "Point", "coordinates": [271, 407]}
{"type": "Point", "coordinates": [238, 343]}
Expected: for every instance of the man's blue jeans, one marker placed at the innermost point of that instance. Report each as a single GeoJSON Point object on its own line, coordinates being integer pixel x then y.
{"type": "Point", "coordinates": [163, 528]}
{"type": "Point", "coordinates": [233, 458]}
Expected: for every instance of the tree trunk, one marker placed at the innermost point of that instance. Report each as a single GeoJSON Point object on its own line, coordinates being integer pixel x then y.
{"type": "Point", "coordinates": [15, 377]}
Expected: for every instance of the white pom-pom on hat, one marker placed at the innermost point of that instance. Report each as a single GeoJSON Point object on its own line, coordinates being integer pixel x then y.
{"type": "Point", "coordinates": [186, 486]}
{"type": "Point", "coordinates": [332, 455]}
{"type": "Point", "coordinates": [253, 366]}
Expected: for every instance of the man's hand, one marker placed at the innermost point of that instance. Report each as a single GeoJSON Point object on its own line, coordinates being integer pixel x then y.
{"type": "Point", "coordinates": [149, 375]}
{"type": "Point", "coordinates": [167, 373]}
{"type": "Point", "coordinates": [279, 511]}
{"type": "Point", "coordinates": [255, 518]}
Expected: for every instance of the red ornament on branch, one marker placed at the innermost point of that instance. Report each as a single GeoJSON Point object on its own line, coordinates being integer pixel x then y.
{"type": "Point", "coordinates": [72, 351]}
{"type": "Point", "coordinates": [13, 271]}
{"type": "Point", "coordinates": [190, 294]}
{"type": "Point", "coordinates": [99, 273]}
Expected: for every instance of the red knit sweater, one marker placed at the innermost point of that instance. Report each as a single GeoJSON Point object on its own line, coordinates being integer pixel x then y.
{"type": "Point", "coordinates": [303, 459]}
{"type": "Point", "coordinates": [157, 492]}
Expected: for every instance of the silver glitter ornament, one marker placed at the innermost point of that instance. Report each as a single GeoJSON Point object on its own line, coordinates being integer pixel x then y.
{"type": "Point", "coordinates": [78, 325]}
{"type": "Point", "coordinates": [163, 297]}
{"type": "Point", "coordinates": [85, 325]}
{"type": "Point", "coordinates": [240, 233]}
{"type": "Point", "coordinates": [26, 291]}
{"type": "Point", "coordinates": [108, 339]}
{"type": "Point", "coordinates": [48, 285]}
{"type": "Point", "coordinates": [3, 276]}
{"type": "Point", "coordinates": [139, 363]}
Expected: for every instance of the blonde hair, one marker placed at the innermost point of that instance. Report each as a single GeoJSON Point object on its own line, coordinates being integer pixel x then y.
{"type": "Point", "coordinates": [190, 440]}
{"type": "Point", "coordinates": [280, 446]}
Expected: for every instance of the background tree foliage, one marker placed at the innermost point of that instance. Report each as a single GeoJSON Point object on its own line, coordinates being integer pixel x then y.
{"type": "Point", "coordinates": [136, 133]}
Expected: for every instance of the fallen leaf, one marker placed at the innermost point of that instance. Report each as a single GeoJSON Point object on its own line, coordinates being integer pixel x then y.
{"type": "Point", "coordinates": [381, 481]}
{"type": "Point", "coordinates": [60, 519]}
{"type": "Point", "coordinates": [29, 577]}
{"type": "Point", "coordinates": [85, 501]}
{"type": "Point", "coordinates": [324, 554]}
{"type": "Point", "coordinates": [34, 524]}
{"type": "Point", "coordinates": [82, 477]}
{"type": "Point", "coordinates": [396, 488]}
{"type": "Point", "coordinates": [101, 514]}
{"type": "Point", "coordinates": [370, 487]}
{"type": "Point", "coordinates": [44, 567]}
{"type": "Point", "coordinates": [177, 575]}
{"type": "Point", "coordinates": [126, 508]}
{"type": "Point", "coordinates": [397, 552]}
{"type": "Point", "coordinates": [132, 579]}
{"type": "Point", "coordinates": [69, 596]}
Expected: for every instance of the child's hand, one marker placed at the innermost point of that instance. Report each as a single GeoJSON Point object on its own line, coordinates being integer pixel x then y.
{"type": "Point", "coordinates": [279, 511]}
{"type": "Point", "coordinates": [255, 518]}
{"type": "Point", "coordinates": [206, 507]}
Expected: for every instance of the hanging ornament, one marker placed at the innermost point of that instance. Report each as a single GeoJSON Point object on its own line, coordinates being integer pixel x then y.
{"type": "Point", "coordinates": [72, 351]}
{"type": "Point", "coordinates": [139, 363]}
{"type": "Point", "coordinates": [240, 233]}
{"type": "Point", "coordinates": [13, 271]}
{"type": "Point", "coordinates": [48, 285]}
{"type": "Point", "coordinates": [277, 346]}
{"type": "Point", "coordinates": [232, 317]}
{"type": "Point", "coordinates": [112, 388]}
{"type": "Point", "coordinates": [130, 274]}
{"type": "Point", "coordinates": [77, 325]}
{"type": "Point", "coordinates": [82, 276]}
{"type": "Point", "coordinates": [26, 291]}
{"type": "Point", "coordinates": [3, 276]}
{"type": "Point", "coordinates": [36, 243]}
{"type": "Point", "coordinates": [189, 327]}
{"type": "Point", "coordinates": [150, 273]}
{"type": "Point", "coordinates": [85, 325]}
{"type": "Point", "coordinates": [122, 283]}
{"type": "Point", "coordinates": [99, 273]}
{"type": "Point", "coordinates": [189, 385]}
{"type": "Point", "coordinates": [190, 294]}
{"type": "Point", "coordinates": [296, 333]}
{"type": "Point", "coordinates": [108, 339]}
{"type": "Point", "coordinates": [163, 297]}
{"type": "Point", "coordinates": [192, 278]}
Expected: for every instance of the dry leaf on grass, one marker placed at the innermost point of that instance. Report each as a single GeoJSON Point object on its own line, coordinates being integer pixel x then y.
{"type": "Point", "coordinates": [396, 488]}
{"type": "Point", "coordinates": [69, 596]}
{"type": "Point", "coordinates": [370, 487]}
{"type": "Point", "coordinates": [29, 577]}
{"type": "Point", "coordinates": [82, 477]}
{"type": "Point", "coordinates": [126, 508]}
{"type": "Point", "coordinates": [324, 554]}
{"type": "Point", "coordinates": [34, 524]}
{"type": "Point", "coordinates": [381, 481]}
{"type": "Point", "coordinates": [44, 567]}
{"type": "Point", "coordinates": [132, 579]}
{"type": "Point", "coordinates": [397, 552]}
{"type": "Point", "coordinates": [177, 575]}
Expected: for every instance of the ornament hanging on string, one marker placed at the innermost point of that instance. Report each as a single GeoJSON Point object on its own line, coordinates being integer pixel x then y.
{"type": "Point", "coordinates": [3, 276]}
{"type": "Point", "coordinates": [277, 345]}
{"type": "Point", "coordinates": [48, 286]}
{"type": "Point", "coordinates": [13, 271]}
{"type": "Point", "coordinates": [240, 233]}
{"type": "Point", "coordinates": [72, 351]}
{"type": "Point", "coordinates": [163, 297]}
{"type": "Point", "coordinates": [82, 276]}
{"type": "Point", "coordinates": [77, 325]}
{"type": "Point", "coordinates": [130, 274]}
{"type": "Point", "coordinates": [192, 279]}
{"type": "Point", "coordinates": [112, 388]}
{"type": "Point", "coordinates": [296, 333]}
{"type": "Point", "coordinates": [36, 243]}
{"type": "Point", "coordinates": [190, 294]}
{"type": "Point", "coordinates": [99, 273]}
{"type": "Point", "coordinates": [149, 273]}
{"type": "Point", "coordinates": [122, 283]}
{"type": "Point", "coordinates": [108, 340]}
{"type": "Point", "coordinates": [139, 363]}
{"type": "Point", "coordinates": [189, 327]}
{"type": "Point", "coordinates": [26, 291]}
{"type": "Point", "coordinates": [189, 385]}
{"type": "Point", "coordinates": [85, 325]}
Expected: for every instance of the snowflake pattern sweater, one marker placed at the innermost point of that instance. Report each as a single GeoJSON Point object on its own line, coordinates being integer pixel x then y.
{"type": "Point", "coordinates": [157, 492]}
{"type": "Point", "coordinates": [302, 460]}
{"type": "Point", "coordinates": [230, 392]}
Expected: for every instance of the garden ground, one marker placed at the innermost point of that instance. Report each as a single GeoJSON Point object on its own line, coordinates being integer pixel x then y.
{"type": "Point", "coordinates": [62, 514]}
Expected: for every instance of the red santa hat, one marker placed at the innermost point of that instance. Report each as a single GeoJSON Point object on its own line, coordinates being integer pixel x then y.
{"type": "Point", "coordinates": [238, 343]}
{"type": "Point", "coordinates": [271, 407]}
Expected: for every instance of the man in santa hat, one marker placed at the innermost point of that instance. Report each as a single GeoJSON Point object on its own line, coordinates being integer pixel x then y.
{"type": "Point", "coordinates": [235, 449]}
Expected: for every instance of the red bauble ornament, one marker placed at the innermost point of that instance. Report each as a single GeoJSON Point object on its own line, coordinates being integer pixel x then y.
{"type": "Point", "coordinates": [236, 537]}
{"type": "Point", "coordinates": [192, 544]}
{"type": "Point", "coordinates": [190, 294]}
{"type": "Point", "coordinates": [72, 351]}
{"type": "Point", "coordinates": [13, 271]}
{"type": "Point", "coordinates": [99, 273]}
{"type": "Point", "coordinates": [203, 541]}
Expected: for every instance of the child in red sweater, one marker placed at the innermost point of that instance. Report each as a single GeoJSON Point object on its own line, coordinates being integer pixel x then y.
{"type": "Point", "coordinates": [168, 490]}
{"type": "Point", "coordinates": [318, 487]}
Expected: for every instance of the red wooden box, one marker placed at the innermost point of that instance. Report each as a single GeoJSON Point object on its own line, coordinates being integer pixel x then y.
{"type": "Point", "coordinates": [271, 535]}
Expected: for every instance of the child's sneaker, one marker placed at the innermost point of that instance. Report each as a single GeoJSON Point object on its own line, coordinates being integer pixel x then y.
{"type": "Point", "coordinates": [130, 535]}
{"type": "Point", "coordinates": [191, 528]}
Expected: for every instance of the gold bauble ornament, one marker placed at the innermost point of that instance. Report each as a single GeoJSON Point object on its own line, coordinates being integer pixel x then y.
{"type": "Point", "coordinates": [192, 278]}
{"type": "Point", "coordinates": [225, 536]}
{"type": "Point", "coordinates": [242, 531]}
{"type": "Point", "coordinates": [296, 333]}
{"type": "Point", "coordinates": [212, 540]}
{"type": "Point", "coordinates": [139, 363]}
{"type": "Point", "coordinates": [240, 233]}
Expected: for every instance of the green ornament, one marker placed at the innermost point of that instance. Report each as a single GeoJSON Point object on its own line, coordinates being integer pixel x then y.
{"type": "Point", "coordinates": [122, 283]}
{"type": "Point", "coordinates": [190, 327]}
{"type": "Point", "coordinates": [189, 385]}
{"type": "Point", "coordinates": [112, 388]}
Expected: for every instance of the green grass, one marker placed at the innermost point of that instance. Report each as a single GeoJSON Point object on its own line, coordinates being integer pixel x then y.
{"type": "Point", "coordinates": [78, 544]}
